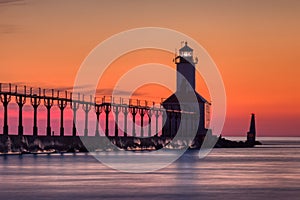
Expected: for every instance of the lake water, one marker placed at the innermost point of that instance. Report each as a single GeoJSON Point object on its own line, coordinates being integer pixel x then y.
{"type": "Point", "coordinates": [271, 171]}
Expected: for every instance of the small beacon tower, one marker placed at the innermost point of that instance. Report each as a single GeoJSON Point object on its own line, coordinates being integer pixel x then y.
{"type": "Point", "coordinates": [251, 135]}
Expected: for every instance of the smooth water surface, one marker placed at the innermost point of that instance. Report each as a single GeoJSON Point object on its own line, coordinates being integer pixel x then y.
{"type": "Point", "coordinates": [271, 171]}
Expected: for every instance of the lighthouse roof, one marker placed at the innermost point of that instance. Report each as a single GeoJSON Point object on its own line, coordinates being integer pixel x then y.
{"type": "Point", "coordinates": [174, 100]}
{"type": "Point", "coordinates": [186, 48]}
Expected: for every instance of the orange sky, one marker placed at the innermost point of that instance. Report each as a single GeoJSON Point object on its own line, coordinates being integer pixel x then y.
{"type": "Point", "coordinates": [255, 45]}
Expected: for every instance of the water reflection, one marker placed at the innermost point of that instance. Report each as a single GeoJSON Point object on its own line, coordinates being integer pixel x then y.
{"type": "Point", "coordinates": [258, 173]}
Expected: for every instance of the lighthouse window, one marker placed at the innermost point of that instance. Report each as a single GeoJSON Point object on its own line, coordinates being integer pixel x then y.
{"type": "Point", "coordinates": [186, 54]}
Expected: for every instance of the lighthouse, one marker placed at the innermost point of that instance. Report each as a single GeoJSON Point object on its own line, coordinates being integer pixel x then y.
{"type": "Point", "coordinates": [185, 87]}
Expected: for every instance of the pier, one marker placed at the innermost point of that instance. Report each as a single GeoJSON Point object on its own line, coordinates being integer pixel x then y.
{"type": "Point", "coordinates": [161, 124]}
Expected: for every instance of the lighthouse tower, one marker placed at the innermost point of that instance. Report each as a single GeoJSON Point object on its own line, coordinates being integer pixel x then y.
{"type": "Point", "coordinates": [185, 86]}
{"type": "Point", "coordinates": [185, 69]}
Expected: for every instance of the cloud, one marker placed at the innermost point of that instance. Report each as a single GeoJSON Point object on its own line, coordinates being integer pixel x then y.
{"type": "Point", "coordinates": [36, 85]}
{"type": "Point", "coordinates": [87, 89]}
{"type": "Point", "coordinates": [14, 2]}
{"type": "Point", "coordinates": [108, 91]}
{"type": "Point", "coordinates": [8, 28]}
{"type": "Point", "coordinates": [70, 88]}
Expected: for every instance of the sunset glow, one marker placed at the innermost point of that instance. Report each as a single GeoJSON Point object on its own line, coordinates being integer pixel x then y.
{"type": "Point", "coordinates": [255, 45]}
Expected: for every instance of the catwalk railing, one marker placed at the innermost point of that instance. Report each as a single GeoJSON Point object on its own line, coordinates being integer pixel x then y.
{"type": "Point", "coordinates": [168, 118]}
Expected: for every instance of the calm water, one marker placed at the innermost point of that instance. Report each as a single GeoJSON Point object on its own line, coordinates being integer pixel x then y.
{"type": "Point", "coordinates": [271, 171]}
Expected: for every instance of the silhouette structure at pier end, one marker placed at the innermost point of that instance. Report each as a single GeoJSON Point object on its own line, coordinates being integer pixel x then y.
{"type": "Point", "coordinates": [182, 99]}
{"type": "Point", "coordinates": [251, 134]}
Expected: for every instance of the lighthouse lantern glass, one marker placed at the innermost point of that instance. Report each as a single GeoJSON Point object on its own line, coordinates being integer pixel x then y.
{"type": "Point", "coordinates": [186, 54]}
